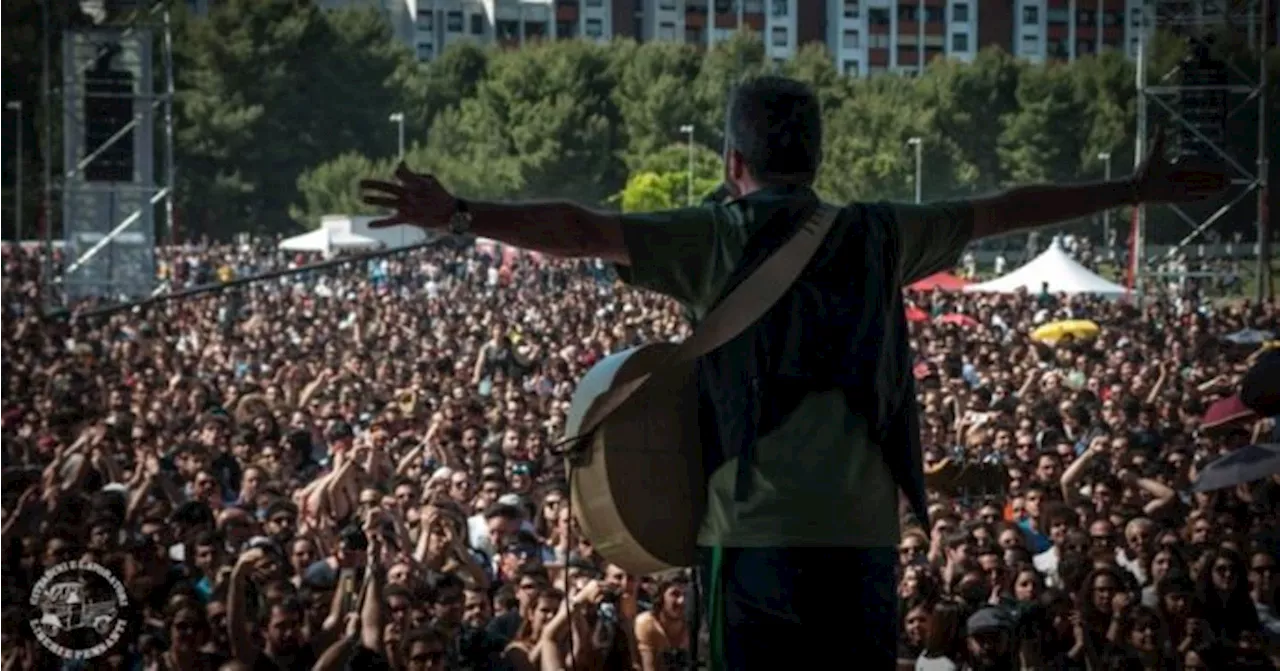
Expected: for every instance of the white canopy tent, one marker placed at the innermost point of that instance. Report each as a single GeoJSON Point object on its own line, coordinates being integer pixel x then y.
{"type": "Point", "coordinates": [1055, 267]}
{"type": "Point", "coordinates": [328, 240]}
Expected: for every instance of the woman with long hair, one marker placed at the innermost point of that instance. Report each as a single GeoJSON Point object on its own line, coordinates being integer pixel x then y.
{"type": "Point", "coordinates": [524, 652]}
{"type": "Point", "coordinates": [916, 614]}
{"type": "Point", "coordinates": [1143, 638]}
{"type": "Point", "coordinates": [1103, 596]}
{"type": "Point", "coordinates": [944, 647]}
{"type": "Point", "coordinates": [1165, 561]}
{"type": "Point", "coordinates": [1222, 595]}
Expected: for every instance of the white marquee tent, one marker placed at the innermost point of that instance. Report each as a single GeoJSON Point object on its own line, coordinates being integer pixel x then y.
{"type": "Point", "coordinates": [328, 240]}
{"type": "Point", "coordinates": [1054, 266]}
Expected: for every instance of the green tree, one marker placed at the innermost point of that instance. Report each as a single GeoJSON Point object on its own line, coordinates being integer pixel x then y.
{"type": "Point", "coordinates": [650, 191]}
{"type": "Point", "coordinates": [652, 95]}
{"type": "Point", "coordinates": [542, 124]}
{"type": "Point", "coordinates": [268, 89]}
{"type": "Point", "coordinates": [865, 151]}
{"type": "Point", "coordinates": [726, 64]}
{"type": "Point", "coordinates": [969, 102]}
{"type": "Point", "coordinates": [333, 188]}
{"type": "Point", "coordinates": [1042, 141]}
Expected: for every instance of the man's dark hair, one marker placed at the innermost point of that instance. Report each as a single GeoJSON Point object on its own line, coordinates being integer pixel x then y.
{"type": "Point", "coordinates": [502, 510]}
{"type": "Point", "coordinates": [776, 124]}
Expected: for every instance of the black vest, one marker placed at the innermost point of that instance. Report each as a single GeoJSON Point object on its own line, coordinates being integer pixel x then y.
{"type": "Point", "coordinates": [842, 325]}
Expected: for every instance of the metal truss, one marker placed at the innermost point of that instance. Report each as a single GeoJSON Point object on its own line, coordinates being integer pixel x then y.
{"type": "Point", "coordinates": [109, 226]}
{"type": "Point", "coordinates": [1199, 21]}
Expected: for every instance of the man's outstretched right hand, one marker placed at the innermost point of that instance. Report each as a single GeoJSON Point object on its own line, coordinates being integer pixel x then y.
{"type": "Point", "coordinates": [415, 198]}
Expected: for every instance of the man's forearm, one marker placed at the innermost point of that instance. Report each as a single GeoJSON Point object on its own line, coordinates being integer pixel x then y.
{"type": "Point", "coordinates": [555, 228]}
{"type": "Point", "coordinates": [1027, 207]}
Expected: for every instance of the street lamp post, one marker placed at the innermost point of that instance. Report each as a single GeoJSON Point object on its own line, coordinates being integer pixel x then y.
{"type": "Point", "coordinates": [687, 129]}
{"type": "Point", "coordinates": [16, 106]}
{"type": "Point", "coordinates": [398, 119]}
{"type": "Point", "coordinates": [1105, 157]}
{"type": "Point", "coordinates": [918, 144]}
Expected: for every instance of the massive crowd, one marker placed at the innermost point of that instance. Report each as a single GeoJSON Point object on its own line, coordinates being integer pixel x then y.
{"type": "Point", "coordinates": [353, 468]}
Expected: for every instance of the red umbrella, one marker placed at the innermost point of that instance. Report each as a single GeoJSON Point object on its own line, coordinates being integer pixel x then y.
{"type": "Point", "coordinates": [940, 282]}
{"type": "Point", "coordinates": [1226, 411]}
{"type": "Point", "coordinates": [959, 320]}
{"type": "Point", "coordinates": [915, 314]}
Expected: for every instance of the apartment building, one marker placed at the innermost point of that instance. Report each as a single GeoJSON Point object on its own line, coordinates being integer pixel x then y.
{"type": "Point", "coordinates": [864, 37]}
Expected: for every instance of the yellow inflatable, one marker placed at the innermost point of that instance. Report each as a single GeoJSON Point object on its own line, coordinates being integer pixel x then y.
{"type": "Point", "coordinates": [1077, 329]}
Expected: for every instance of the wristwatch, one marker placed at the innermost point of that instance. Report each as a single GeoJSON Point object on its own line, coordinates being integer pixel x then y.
{"type": "Point", "coordinates": [460, 222]}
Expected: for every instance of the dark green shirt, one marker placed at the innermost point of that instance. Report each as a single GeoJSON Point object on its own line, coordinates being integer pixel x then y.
{"type": "Point", "coordinates": [815, 480]}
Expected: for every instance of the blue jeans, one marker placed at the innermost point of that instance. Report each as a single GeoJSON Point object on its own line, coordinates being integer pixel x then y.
{"type": "Point", "coordinates": [811, 607]}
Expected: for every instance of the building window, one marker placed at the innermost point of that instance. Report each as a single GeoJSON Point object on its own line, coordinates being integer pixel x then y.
{"type": "Point", "coordinates": [667, 5]}
{"type": "Point", "coordinates": [425, 51]}
{"type": "Point", "coordinates": [1030, 15]}
{"type": "Point", "coordinates": [426, 20]}
{"type": "Point", "coordinates": [852, 68]}
{"type": "Point", "coordinates": [725, 7]}
{"type": "Point", "coordinates": [595, 28]}
{"type": "Point", "coordinates": [566, 29]}
{"type": "Point", "coordinates": [1136, 16]}
{"type": "Point", "coordinates": [781, 7]}
{"type": "Point", "coordinates": [960, 42]}
{"type": "Point", "coordinates": [1058, 15]}
{"type": "Point", "coordinates": [595, 3]}
{"type": "Point", "coordinates": [505, 30]}
{"type": "Point", "coordinates": [852, 9]}
{"type": "Point", "coordinates": [778, 36]}
{"type": "Point", "coordinates": [850, 40]}
{"type": "Point", "coordinates": [880, 41]}
{"type": "Point", "coordinates": [1030, 45]}
{"type": "Point", "coordinates": [1084, 47]}
{"type": "Point", "coordinates": [535, 30]}
{"type": "Point", "coordinates": [960, 12]}
{"type": "Point", "coordinates": [667, 31]}
{"type": "Point", "coordinates": [477, 24]}
{"type": "Point", "coordinates": [453, 22]}
{"type": "Point", "coordinates": [753, 6]}
{"type": "Point", "coordinates": [935, 15]}
{"type": "Point", "coordinates": [694, 36]}
{"type": "Point", "coordinates": [1134, 45]}
{"type": "Point", "coordinates": [1084, 16]}
{"type": "Point", "coordinates": [907, 13]}
{"type": "Point", "coordinates": [878, 16]}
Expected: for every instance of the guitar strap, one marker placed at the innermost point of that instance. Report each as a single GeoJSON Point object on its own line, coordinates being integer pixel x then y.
{"type": "Point", "coordinates": [745, 305]}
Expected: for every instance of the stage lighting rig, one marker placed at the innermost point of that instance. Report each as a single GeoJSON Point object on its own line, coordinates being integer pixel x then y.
{"type": "Point", "coordinates": [1202, 102]}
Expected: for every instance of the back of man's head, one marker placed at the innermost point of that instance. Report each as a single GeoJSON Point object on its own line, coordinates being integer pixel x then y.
{"type": "Point", "coordinates": [775, 123]}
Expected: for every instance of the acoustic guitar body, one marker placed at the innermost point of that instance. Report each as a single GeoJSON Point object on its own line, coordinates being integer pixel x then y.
{"type": "Point", "coordinates": [637, 483]}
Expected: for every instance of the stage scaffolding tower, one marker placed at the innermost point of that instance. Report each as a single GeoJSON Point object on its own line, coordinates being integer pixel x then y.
{"type": "Point", "coordinates": [112, 178]}
{"type": "Point", "coordinates": [1197, 103]}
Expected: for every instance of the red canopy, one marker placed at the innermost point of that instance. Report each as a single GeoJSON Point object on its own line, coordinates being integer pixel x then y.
{"type": "Point", "coordinates": [1226, 411]}
{"type": "Point", "coordinates": [915, 314]}
{"type": "Point", "coordinates": [959, 320]}
{"type": "Point", "coordinates": [940, 282]}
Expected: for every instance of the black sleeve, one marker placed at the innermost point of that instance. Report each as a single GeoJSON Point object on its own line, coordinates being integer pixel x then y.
{"type": "Point", "coordinates": [364, 659]}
